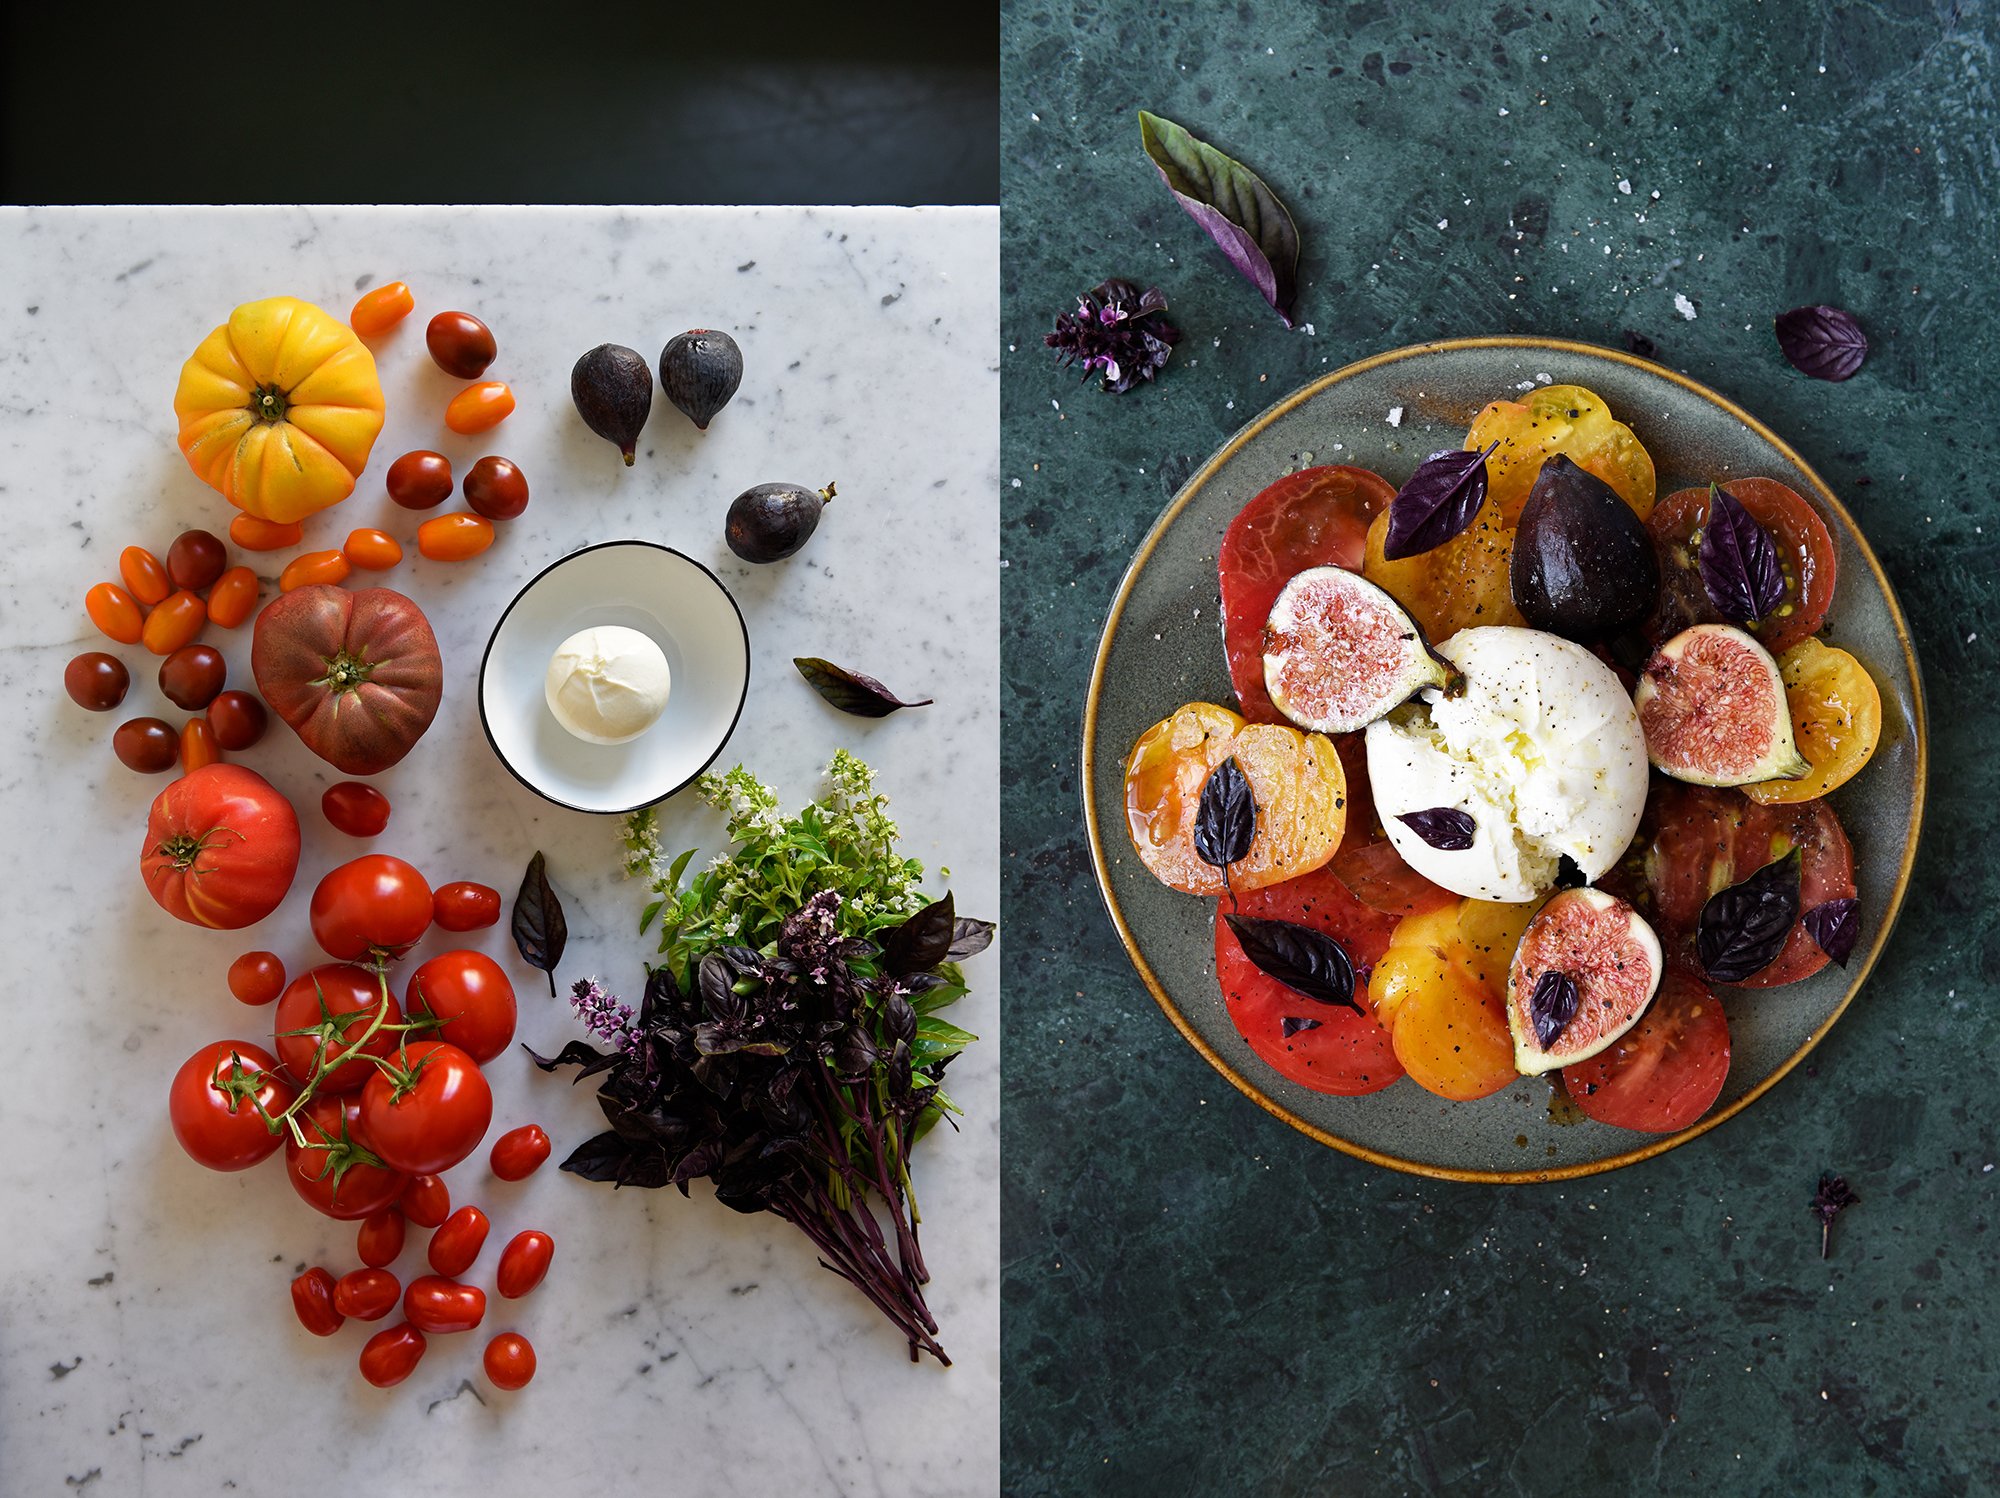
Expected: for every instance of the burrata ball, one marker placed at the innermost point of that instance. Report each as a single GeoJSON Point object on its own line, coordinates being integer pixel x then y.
{"type": "Point", "coordinates": [607, 684]}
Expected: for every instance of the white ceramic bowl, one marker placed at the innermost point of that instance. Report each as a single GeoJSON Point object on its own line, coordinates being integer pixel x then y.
{"type": "Point", "coordinates": [656, 590]}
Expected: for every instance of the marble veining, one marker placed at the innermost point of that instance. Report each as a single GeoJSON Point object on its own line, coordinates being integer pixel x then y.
{"type": "Point", "coordinates": [146, 1338]}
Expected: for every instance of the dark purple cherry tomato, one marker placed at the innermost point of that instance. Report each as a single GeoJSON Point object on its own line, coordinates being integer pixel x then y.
{"type": "Point", "coordinates": [196, 559]}
{"type": "Point", "coordinates": [192, 676]}
{"type": "Point", "coordinates": [495, 489]}
{"type": "Point", "coordinates": [238, 719]}
{"type": "Point", "coordinates": [461, 344]}
{"type": "Point", "coordinates": [420, 480]}
{"type": "Point", "coordinates": [96, 682]}
{"type": "Point", "coordinates": [147, 745]}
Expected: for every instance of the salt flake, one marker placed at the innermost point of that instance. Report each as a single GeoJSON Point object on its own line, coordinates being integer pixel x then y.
{"type": "Point", "coordinates": [1395, 416]}
{"type": "Point", "coordinates": [1683, 306]}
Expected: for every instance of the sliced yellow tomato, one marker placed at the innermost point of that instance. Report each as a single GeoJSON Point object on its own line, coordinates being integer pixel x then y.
{"type": "Point", "coordinates": [1836, 718]}
{"type": "Point", "coordinates": [1454, 586]}
{"type": "Point", "coordinates": [1441, 991]}
{"type": "Point", "coordinates": [1295, 779]}
{"type": "Point", "coordinates": [1565, 419]}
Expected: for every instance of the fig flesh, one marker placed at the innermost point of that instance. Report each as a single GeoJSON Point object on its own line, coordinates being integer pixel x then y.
{"type": "Point", "coordinates": [1610, 960]}
{"type": "Point", "coordinates": [1712, 705]}
{"type": "Point", "coordinates": [613, 389]}
{"type": "Point", "coordinates": [771, 521]}
{"type": "Point", "coordinates": [1339, 652]}
{"type": "Point", "coordinates": [700, 370]}
{"type": "Point", "coordinates": [1583, 565]}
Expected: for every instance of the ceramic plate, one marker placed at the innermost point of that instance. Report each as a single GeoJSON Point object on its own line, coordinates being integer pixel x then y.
{"type": "Point", "coordinates": [1162, 647]}
{"type": "Point", "coordinates": [654, 589]}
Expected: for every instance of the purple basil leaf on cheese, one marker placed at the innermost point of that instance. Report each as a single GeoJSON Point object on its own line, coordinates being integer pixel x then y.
{"type": "Point", "coordinates": [1437, 503]}
{"type": "Point", "coordinates": [1443, 827]}
{"type": "Point", "coordinates": [1834, 924]}
{"type": "Point", "coordinates": [1739, 561]}
{"type": "Point", "coordinates": [1552, 1005]}
{"type": "Point", "coordinates": [1823, 342]}
{"type": "Point", "coordinates": [1232, 205]}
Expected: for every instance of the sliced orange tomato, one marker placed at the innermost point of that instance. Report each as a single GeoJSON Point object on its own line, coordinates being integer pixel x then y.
{"type": "Point", "coordinates": [1454, 586]}
{"type": "Point", "coordinates": [1565, 419]}
{"type": "Point", "coordinates": [1295, 780]}
{"type": "Point", "coordinates": [1441, 990]}
{"type": "Point", "coordinates": [1836, 718]}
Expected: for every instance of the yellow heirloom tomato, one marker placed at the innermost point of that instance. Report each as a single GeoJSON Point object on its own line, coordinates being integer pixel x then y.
{"type": "Point", "coordinates": [279, 408]}
{"type": "Point", "coordinates": [1565, 419]}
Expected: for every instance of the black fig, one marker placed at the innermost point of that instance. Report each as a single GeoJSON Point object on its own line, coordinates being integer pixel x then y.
{"type": "Point", "coordinates": [613, 389]}
{"type": "Point", "coordinates": [700, 369]}
{"type": "Point", "coordinates": [770, 522]}
{"type": "Point", "coordinates": [1583, 564]}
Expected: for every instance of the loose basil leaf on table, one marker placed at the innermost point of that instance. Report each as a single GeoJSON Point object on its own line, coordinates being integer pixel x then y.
{"type": "Point", "coordinates": [540, 930]}
{"type": "Point", "coordinates": [1305, 960]}
{"type": "Point", "coordinates": [850, 691]}
{"type": "Point", "coordinates": [1438, 502]}
{"type": "Point", "coordinates": [1225, 819]}
{"type": "Point", "coordinates": [1823, 342]}
{"type": "Point", "coordinates": [1739, 561]}
{"type": "Point", "coordinates": [1232, 204]}
{"type": "Point", "coordinates": [1445, 828]}
{"type": "Point", "coordinates": [1552, 1004]}
{"type": "Point", "coordinates": [1744, 927]}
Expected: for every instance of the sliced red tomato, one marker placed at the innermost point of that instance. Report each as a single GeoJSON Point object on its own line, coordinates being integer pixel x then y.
{"type": "Point", "coordinates": [1666, 1071]}
{"type": "Point", "coordinates": [1331, 1048]}
{"type": "Point", "coordinates": [1368, 863]}
{"type": "Point", "coordinates": [1317, 517]}
{"type": "Point", "coordinates": [1805, 553]}
{"type": "Point", "coordinates": [1696, 840]}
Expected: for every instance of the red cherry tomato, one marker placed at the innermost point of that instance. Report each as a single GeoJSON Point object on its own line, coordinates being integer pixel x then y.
{"type": "Point", "coordinates": [334, 1003]}
{"type": "Point", "coordinates": [148, 745]}
{"type": "Point", "coordinates": [436, 1304]}
{"type": "Point", "coordinates": [431, 1116]}
{"type": "Point", "coordinates": [191, 677]}
{"type": "Point", "coordinates": [1665, 1072]}
{"type": "Point", "coordinates": [257, 977]}
{"type": "Point", "coordinates": [465, 906]}
{"type": "Point", "coordinates": [1805, 555]}
{"type": "Point", "coordinates": [471, 993]}
{"type": "Point", "coordinates": [510, 1361]}
{"type": "Point", "coordinates": [196, 559]}
{"type": "Point", "coordinates": [392, 1355]}
{"type": "Point", "coordinates": [1317, 517]}
{"type": "Point", "coordinates": [95, 681]}
{"type": "Point", "coordinates": [380, 1238]}
{"type": "Point", "coordinates": [420, 480]}
{"type": "Point", "coordinates": [214, 1104]}
{"type": "Point", "coordinates": [312, 1299]}
{"type": "Point", "coordinates": [145, 579]}
{"type": "Point", "coordinates": [354, 808]}
{"type": "Point", "coordinates": [366, 1294]}
{"type": "Point", "coordinates": [519, 1153]}
{"type": "Point", "coordinates": [371, 902]}
{"type": "Point", "coordinates": [1330, 1048]}
{"type": "Point", "coordinates": [238, 719]}
{"type": "Point", "coordinates": [456, 1244]}
{"type": "Point", "coordinates": [524, 1263]}
{"type": "Point", "coordinates": [426, 1201]}
{"type": "Point", "coordinates": [333, 1172]}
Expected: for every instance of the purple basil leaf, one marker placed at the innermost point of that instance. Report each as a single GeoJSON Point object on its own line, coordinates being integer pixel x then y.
{"type": "Point", "coordinates": [1291, 1024]}
{"type": "Point", "coordinates": [1824, 342]}
{"type": "Point", "coordinates": [1437, 503]}
{"type": "Point", "coordinates": [1744, 927]}
{"type": "Point", "coordinates": [1835, 924]}
{"type": "Point", "coordinates": [1233, 206]}
{"type": "Point", "coordinates": [1225, 820]}
{"type": "Point", "coordinates": [1739, 561]}
{"type": "Point", "coordinates": [1552, 1005]}
{"type": "Point", "coordinates": [1443, 827]}
{"type": "Point", "coordinates": [850, 691]}
{"type": "Point", "coordinates": [1305, 960]}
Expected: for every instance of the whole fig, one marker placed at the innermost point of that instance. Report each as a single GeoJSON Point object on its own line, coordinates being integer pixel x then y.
{"type": "Point", "coordinates": [771, 521]}
{"type": "Point", "coordinates": [613, 389]}
{"type": "Point", "coordinates": [700, 370]}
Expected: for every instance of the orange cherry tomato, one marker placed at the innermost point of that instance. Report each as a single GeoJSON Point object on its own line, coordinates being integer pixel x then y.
{"type": "Point", "coordinates": [145, 578]}
{"type": "Point", "coordinates": [174, 622]}
{"type": "Point", "coordinates": [381, 309]}
{"type": "Point", "coordinates": [478, 407]}
{"type": "Point", "coordinates": [454, 537]}
{"type": "Point", "coordinates": [198, 746]}
{"type": "Point", "coordinates": [313, 567]}
{"type": "Point", "coordinates": [115, 612]}
{"type": "Point", "coordinates": [234, 597]}
{"type": "Point", "coordinates": [254, 534]}
{"type": "Point", "coordinates": [372, 550]}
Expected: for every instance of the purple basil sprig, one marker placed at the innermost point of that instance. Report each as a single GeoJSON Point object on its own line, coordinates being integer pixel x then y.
{"type": "Point", "coordinates": [1739, 561]}
{"type": "Point", "coordinates": [1445, 828]}
{"type": "Point", "coordinates": [1437, 503]}
{"type": "Point", "coordinates": [1118, 332]}
{"type": "Point", "coordinates": [1823, 342]}
{"type": "Point", "coordinates": [1232, 204]}
{"type": "Point", "coordinates": [1835, 925]}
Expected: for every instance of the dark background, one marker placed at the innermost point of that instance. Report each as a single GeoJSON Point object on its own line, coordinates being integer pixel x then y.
{"type": "Point", "coordinates": [1201, 1301]}
{"type": "Point", "coordinates": [500, 102]}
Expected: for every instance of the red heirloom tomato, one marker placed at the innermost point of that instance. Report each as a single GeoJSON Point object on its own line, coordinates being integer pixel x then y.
{"type": "Point", "coordinates": [356, 674]}
{"type": "Point", "coordinates": [456, 1244]}
{"type": "Point", "coordinates": [1805, 557]}
{"type": "Point", "coordinates": [426, 1201]}
{"type": "Point", "coordinates": [380, 1239]}
{"type": "Point", "coordinates": [334, 1003]}
{"type": "Point", "coordinates": [1667, 1070]}
{"type": "Point", "coordinates": [471, 993]}
{"type": "Point", "coordinates": [430, 1112]}
{"type": "Point", "coordinates": [519, 1153]}
{"type": "Point", "coordinates": [524, 1263]}
{"type": "Point", "coordinates": [334, 1172]}
{"type": "Point", "coordinates": [370, 902]}
{"type": "Point", "coordinates": [510, 1361]}
{"type": "Point", "coordinates": [213, 1104]}
{"type": "Point", "coordinates": [366, 1294]}
{"type": "Point", "coordinates": [465, 906]}
{"type": "Point", "coordinates": [392, 1355]}
{"type": "Point", "coordinates": [355, 809]}
{"type": "Point", "coordinates": [221, 848]}
{"type": "Point", "coordinates": [257, 977]}
{"type": "Point", "coordinates": [436, 1304]}
{"type": "Point", "coordinates": [312, 1298]}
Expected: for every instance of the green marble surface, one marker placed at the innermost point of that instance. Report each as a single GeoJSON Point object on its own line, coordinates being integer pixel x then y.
{"type": "Point", "coordinates": [1201, 1301]}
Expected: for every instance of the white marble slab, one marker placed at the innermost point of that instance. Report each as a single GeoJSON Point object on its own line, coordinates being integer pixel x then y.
{"type": "Point", "coordinates": [146, 1339]}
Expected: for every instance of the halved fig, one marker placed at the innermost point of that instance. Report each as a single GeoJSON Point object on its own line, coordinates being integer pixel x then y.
{"type": "Point", "coordinates": [1339, 652]}
{"type": "Point", "coordinates": [1586, 968]}
{"type": "Point", "coordinates": [1712, 706]}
